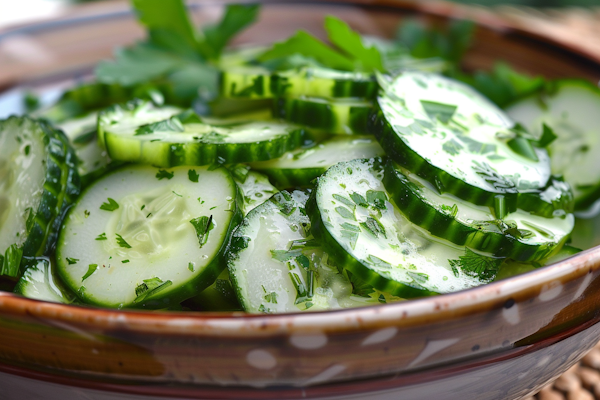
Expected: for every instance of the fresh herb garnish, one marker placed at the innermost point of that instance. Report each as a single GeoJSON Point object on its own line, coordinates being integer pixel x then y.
{"type": "Point", "coordinates": [440, 111]}
{"type": "Point", "coordinates": [163, 174]}
{"type": "Point", "coordinates": [111, 205]}
{"type": "Point", "coordinates": [122, 242]}
{"type": "Point", "coordinates": [172, 124]}
{"type": "Point", "coordinates": [72, 261]}
{"type": "Point", "coordinates": [91, 269]}
{"type": "Point", "coordinates": [476, 265]}
{"type": "Point", "coordinates": [203, 225]}
{"type": "Point", "coordinates": [494, 178]}
{"type": "Point", "coordinates": [150, 287]}
{"type": "Point", "coordinates": [193, 175]}
{"type": "Point", "coordinates": [101, 236]}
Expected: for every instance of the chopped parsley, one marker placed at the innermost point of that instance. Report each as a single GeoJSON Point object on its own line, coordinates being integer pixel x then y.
{"type": "Point", "coordinates": [476, 265]}
{"type": "Point", "coordinates": [150, 287]}
{"type": "Point", "coordinates": [163, 174]}
{"type": "Point", "coordinates": [72, 261]}
{"type": "Point", "coordinates": [442, 112]}
{"type": "Point", "coordinates": [193, 175]}
{"type": "Point", "coordinates": [121, 242]}
{"type": "Point", "coordinates": [91, 269]}
{"type": "Point", "coordinates": [111, 205]}
{"type": "Point", "coordinates": [101, 236]}
{"type": "Point", "coordinates": [203, 225]}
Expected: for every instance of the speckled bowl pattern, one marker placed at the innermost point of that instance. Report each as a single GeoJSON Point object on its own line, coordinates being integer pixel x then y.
{"type": "Point", "coordinates": [500, 341]}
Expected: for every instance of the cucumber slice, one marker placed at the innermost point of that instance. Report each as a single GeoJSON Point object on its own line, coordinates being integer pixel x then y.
{"type": "Point", "coordinates": [38, 181]}
{"type": "Point", "coordinates": [570, 108]}
{"type": "Point", "coordinates": [255, 187]}
{"type": "Point", "coordinates": [93, 160]}
{"type": "Point", "coordinates": [275, 267]}
{"type": "Point", "coordinates": [164, 137]}
{"type": "Point", "coordinates": [145, 237]}
{"type": "Point", "coordinates": [518, 235]}
{"type": "Point", "coordinates": [337, 116]}
{"type": "Point", "coordinates": [447, 133]}
{"type": "Point", "coordinates": [351, 213]}
{"type": "Point", "coordinates": [301, 166]}
{"type": "Point", "coordinates": [131, 115]}
{"type": "Point", "coordinates": [257, 82]}
{"type": "Point", "coordinates": [40, 283]}
{"type": "Point", "coordinates": [554, 200]}
{"type": "Point", "coordinates": [220, 296]}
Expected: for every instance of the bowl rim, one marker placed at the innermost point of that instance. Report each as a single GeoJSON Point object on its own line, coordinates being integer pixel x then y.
{"type": "Point", "coordinates": [408, 313]}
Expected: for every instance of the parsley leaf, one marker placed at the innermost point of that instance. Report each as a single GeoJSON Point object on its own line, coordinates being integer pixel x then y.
{"type": "Point", "coordinates": [237, 17]}
{"type": "Point", "coordinates": [351, 43]}
{"type": "Point", "coordinates": [172, 124]}
{"type": "Point", "coordinates": [203, 225]}
{"type": "Point", "coordinates": [72, 261]}
{"type": "Point", "coordinates": [91, 269]}
{"type": "Point", "coordinates": [473, 264]}
{"type": "Point", "coordinates": [193, 175]}
{"type": "Point", "coordinates": [163, 174]}
{"type": "Point", "coordinates": [110, 206]}
{"type": "Point", "coordinates": [10, 263]}
{"type": "Point", "coordinates": [150, 287]}
{"type": "Point", "coordinates": [307, 45]}
{"type": "Point", "coordinates": [440, 111]}
{"type": "Point", "coordinates": [101, 236]}
{"type": "Point", "coordinates": [166, 15]}
{"type": "Point", "coordinates": [122, 242]}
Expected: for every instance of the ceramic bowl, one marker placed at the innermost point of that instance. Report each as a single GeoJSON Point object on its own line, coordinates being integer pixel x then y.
{"type": "Point", "coordinates": [500, 341]}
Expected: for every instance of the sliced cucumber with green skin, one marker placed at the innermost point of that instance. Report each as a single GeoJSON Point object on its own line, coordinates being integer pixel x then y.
{"type": "Point", "coordinates": [570, 108]}
{"type": "Point", "coordinates": [300, 167]}
{"type": "Point", "coordinates": [337, 116]}
{"type": "Point", "coordinates": [519, 235]}
{"type": "Point", "coordinates": [258, 82]}
{"type": "Point", "coordinates": [38, 180]}
{"type": "Point", "coordinates": [146, 237]}
{"type": "Point", "coordinates": [554, 200]}
{"type": "Point", "coordinates": [449, 134]}
{"type": "Point", "coordinates": [131, 115]}
{"type": "Point", "coordinates": [352, 215]}
{"type": "Point", "coordinates": [220, 296]}
{"type": "Point", "coordinates": [255, 187]}
{"type": "Point", "coordinates": [159, 136]}
{"type": "Point", "coordinates": [93, 160]}
{"type": "Point", "coordinates": [40, 283]}
{"type": "Point", "coordinates": [275, 267]}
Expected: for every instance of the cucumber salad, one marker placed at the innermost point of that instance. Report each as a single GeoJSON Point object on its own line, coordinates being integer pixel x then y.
{"type": "Point", "coordinates": [302, 175]}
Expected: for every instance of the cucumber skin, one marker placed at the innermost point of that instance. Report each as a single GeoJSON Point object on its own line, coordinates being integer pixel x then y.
{"type": "Point", "coordinates": [323, 116]}
{"type": "Point", "coordinates": [445, 226]}
{"type": "Point", "coordinates": [344, 259]}
{"type": "Point", "coordinates": [292, 83]}
{"type": "Point", "coordinates": [585, 200]}
{"type": "Point", "coordinates": [191, 288]}
{"type": "Point", "coordinates": [165, 154]}
{"type": "Point", "coordinates": [61, 187]}
{"type": "Point", "coordinates": [293, 178]}
{"type": "Point", "coordinates": [406, 157]}
{"type": "Point", "coordinates": [533, 203]}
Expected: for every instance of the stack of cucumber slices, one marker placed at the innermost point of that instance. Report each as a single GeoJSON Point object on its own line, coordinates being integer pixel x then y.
{"type": "Point", "coordinates": [324, 189]}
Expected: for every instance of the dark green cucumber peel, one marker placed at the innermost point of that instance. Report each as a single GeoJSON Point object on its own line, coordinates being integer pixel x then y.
{"type": "Point", "coordinates": [443, 181]}
{"type": "Point", "coordinates": [494, 237]}
{"type": "Point", "coordinates": [257, 83]}
{"type": "Point", "coordinates": [61, 185]}
{"type": "Point", "coordinates": [334, 116]}
{"type": "Point", "coordinates": [554, 200]}
{"type": "Point", "coordinates": [173, 141]}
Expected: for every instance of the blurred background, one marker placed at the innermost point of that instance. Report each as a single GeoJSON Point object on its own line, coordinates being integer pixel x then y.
{"type": "Point", "coordinates": [21, 11]}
